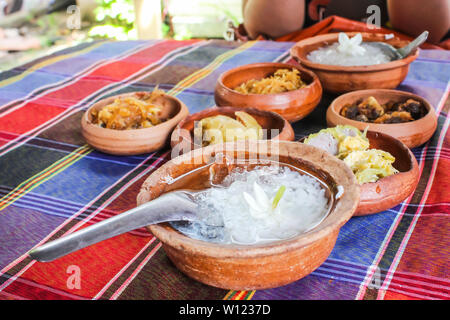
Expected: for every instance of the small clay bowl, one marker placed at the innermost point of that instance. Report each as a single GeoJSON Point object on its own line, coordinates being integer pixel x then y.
{"type": "Point", "coordinates": [241, 267]}
{"type": "Point", "coordinates": [389, 191]}
{"type": "Point", "coordinates": [392, 190]}
{"type": "Point", "coordinates": [182, 139]}
{"type": "Point", "coordinates": [339, 79]}
{"type": "Point", "coordinates": [134, 141]}
{"type": "Point", "coordinates": [412, 134]}
{"type": "Point", "coordinates": [292, 105]}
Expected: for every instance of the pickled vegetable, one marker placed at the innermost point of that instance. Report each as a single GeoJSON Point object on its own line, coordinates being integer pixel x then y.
{"type": "Point", "coordinates": [220, 128]}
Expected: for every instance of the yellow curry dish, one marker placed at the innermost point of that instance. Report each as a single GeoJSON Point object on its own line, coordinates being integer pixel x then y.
{"type": "Point", "coordinates": [220, 128]}
{"type": "Point", "coordinates": [136, 111]}
{"type": "Point", "coordinates": [282, 80]}
{"type": "Point", "coordinates": [352, 146]}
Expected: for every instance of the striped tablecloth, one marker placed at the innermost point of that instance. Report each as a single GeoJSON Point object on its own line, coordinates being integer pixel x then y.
{"type": "Point", "coordinates": [52, 183]}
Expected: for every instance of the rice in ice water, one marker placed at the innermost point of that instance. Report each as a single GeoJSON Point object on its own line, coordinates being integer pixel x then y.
{"type": "Point", "coordinates": [266, 204]}
{"type": "Point", "coordinates": [349, 52]}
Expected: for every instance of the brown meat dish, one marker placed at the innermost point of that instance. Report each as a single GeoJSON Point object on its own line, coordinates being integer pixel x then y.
{"type": "Point", "coordinates": [370, 110]}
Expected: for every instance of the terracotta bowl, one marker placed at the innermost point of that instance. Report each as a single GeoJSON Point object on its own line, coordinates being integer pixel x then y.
{"type": "Point", "coordinates": [240, 267]}
{"type": "Point", "coordinates": [389, 191]}
{"type": "Point", "coordinates": [412, 134]}
{"type": "Point", "coordinates": [292, 105]}
{"type": "Point", "coordinates": [340, 79]}
{"type": "Point", "coordinates": [182, 139]}
{"type": "Point", "coordinates": [135, 141]}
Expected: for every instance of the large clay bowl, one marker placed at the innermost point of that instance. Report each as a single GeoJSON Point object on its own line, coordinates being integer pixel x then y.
{"type": "Point", "coordinates": [275, 125]}
{"type": "Point", "coordinates": [135, 141]}
{"type": "Point", "coordinates": [412, 134]}
{"type": "Point", "coordinates": [389, 191]}
{"type": "Point", "coordinates": [340, 79]}
{"type": "Point", "coordinates": [292, 105]}
{"type": "Point", "coordinates": [271, 265]}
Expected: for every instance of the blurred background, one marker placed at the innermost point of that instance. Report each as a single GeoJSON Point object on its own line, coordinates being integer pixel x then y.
{"type": "Point", "coordinates": [33, 28]}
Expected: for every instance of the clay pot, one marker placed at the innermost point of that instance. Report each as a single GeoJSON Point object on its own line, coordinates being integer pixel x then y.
{"type": "Point", "coordinates": [182, 139]}
{"type": "Point", "coordinates": [338, 79]}
{"type": "Point", "coordinates": [262, 266]}
{"type": "Point", "coordinates": [389, 191]}
{"type": "Point", "coordinates": [134, 141]}
{"type": "Point", "coordinates": [413, 134]}
{"type": "Point", "coordinates": [292, 105]}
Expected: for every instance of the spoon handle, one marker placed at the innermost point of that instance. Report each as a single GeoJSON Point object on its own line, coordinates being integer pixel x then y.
{"type": "Point", "coordinates": [406, 50]}
{"type": "Point", "coordinates": [172, 206]}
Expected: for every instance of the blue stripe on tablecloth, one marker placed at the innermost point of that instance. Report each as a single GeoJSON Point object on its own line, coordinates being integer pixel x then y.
{"type": "Point", "coordinates": [84, 179]}
{"type": "Point", "coordinates": [63, 70]}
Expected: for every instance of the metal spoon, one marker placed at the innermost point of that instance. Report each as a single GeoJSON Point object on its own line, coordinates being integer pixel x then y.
{"type": "Point", "coordinates": [397, 54]}
{"type": "Point", "coordinates": [174, 206]}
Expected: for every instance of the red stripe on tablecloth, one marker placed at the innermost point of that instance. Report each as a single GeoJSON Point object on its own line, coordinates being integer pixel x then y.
{"type": "Point", "coordinates": [398, 296]}
{"type": "Point", "coordinates": [29, 290]}
{"type": "Point", "coordinates": [9, 296]}
{"type": "Point", "coordinates": [44, 108]}
{"type": "Point", "coordinates": [96, 263]}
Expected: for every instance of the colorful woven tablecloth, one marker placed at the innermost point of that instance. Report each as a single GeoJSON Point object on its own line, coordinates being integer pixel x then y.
{"type": "Point", "coordinates": [52, 183]}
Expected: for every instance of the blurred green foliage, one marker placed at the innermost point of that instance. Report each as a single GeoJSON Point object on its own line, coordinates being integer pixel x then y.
{"type": "Point", "coordinates": [115, 20]}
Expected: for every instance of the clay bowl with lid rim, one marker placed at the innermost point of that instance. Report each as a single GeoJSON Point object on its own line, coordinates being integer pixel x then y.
{"type": "Point", "coordinates": [134, 141]}
{"type": "Point", "coordinates": [389, 191]}
{"type": "Point", "coordinates": [339, 79]}
{"type": "Point", "coordinates": [241, 267]}
{"type": "Point", "coordinates": [292, 105]}
{"type": "Point", "coordinates": [182, 139]}
{"type": "Point", "coordinates": [413, 133]}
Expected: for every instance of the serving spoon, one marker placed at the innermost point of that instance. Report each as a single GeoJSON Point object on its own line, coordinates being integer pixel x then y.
{"type": "Point", "coordinates": [400, 53]}
{"type": "Point", "coordinates": [173, 206]}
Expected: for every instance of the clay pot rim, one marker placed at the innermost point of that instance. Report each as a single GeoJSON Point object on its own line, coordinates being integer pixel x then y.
{"type": "Point", "coordinates": [412, 162]}
{"type": "Point", "coordinates": [412, 159]}
{"type": "Point", "coordinates": [340, 214]}
{"type": "Point", "coordinates": [348, 69]}
{"type": "Point", "coordinates": [412, 174]}
{"type": "Point", "coordinates": [222, 110]}
{"type": "Point", "coordinates": [280, 65]}
{"type": "Point", "coordinates": [87, 124]}
{"type": "Point", "coordinates": [336, 106]}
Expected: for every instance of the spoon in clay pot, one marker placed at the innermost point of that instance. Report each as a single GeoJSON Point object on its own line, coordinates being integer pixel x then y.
{"type": "Point", "coordinates": [174, 206]}
{"type": "Point", "coordinates": [400, 53]}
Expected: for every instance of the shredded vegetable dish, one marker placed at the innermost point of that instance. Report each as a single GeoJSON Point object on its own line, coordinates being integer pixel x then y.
{"type": "Point", "coordinates": [132, 112]}
{"type": "Point", "coordinates": [352, 146]}
{"type": "Point", "coordinates": [282, 80]}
